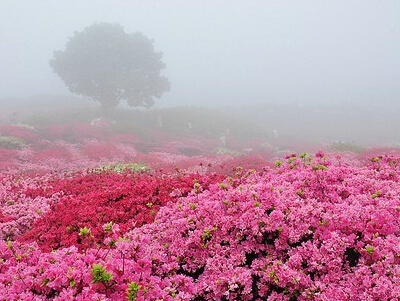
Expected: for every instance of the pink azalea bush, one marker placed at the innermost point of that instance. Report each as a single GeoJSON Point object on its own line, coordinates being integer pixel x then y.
{"type": "Point", "coordinates": [309, 229]}
{"type": "Point", "coordinates": [18, 211]}
{"type": "Point", "coordinates": [19, 131]}
{"type": "Point", "coordinates": [90, 200]}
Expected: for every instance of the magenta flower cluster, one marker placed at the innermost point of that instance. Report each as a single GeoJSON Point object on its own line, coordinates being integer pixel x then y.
{"type": "Point", "coordinates": [309, 229]}
{"type": "Point", "coordinates": [18, 211]}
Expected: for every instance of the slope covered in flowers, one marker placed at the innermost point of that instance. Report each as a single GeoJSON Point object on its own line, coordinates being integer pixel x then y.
{"type": "Point", "coordinates": [312, 228]}
{"type": "Point", "coordinates": [94, 199]}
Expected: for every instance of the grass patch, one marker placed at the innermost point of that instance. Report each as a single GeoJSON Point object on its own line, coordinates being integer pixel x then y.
{"type": "Point", "coordinates": [10, 142]}
{"type": "Point", "coordinates": [122, 167]}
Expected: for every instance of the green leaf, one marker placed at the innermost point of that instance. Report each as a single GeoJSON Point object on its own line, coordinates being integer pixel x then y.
{"type": "Point", "coordinates": [99, 274]}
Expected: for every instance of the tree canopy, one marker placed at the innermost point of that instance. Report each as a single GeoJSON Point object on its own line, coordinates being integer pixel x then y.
{"type": "Point", "coordinates": [109, 65]}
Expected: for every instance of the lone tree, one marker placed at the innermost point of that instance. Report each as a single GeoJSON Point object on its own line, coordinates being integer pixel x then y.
{"type": "Point", "coordinates": [109, 65]}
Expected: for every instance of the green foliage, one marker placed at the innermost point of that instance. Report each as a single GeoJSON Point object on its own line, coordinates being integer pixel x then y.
{"type": "Point", "coordinates": [26, 126]}
{"type": "Point", "coordinates": [99, 274]}
{"type": "Point", "coordinates": [84, 231]}
{"type": "Point", "coordinates": [10, 142]}
{"type": "Point", "coordinates": [223, 186]}
{"type": "Point", "coordinates": [133, 290]}
{"type": "Point", "coordinates": [109, 65]}
{"type": "Point", "coordinates": [376, 194]}
{"type": "Point", "coordinates": [319, 167]}
{"type": "Point", "coordinates": [108, 226]}
{"type": "Point", "coordinates": [303, 155]}
{"type": "Point", "coordinates": [225, 151]}
{"type": "Point", "coordinates": [45, 282]}
{"type": "Point", "coordinates": [369, 250]}
{"type": "Point", "coordinates": [122, 167]}
{"type": "Point", "coordinates": [72, 283]}
{"type": "Point", "coordinates": [375, 159]}
{"type": "Point", "coordinates": [300, 193]}
{"type": "Point", "coordinates": [207, 234]}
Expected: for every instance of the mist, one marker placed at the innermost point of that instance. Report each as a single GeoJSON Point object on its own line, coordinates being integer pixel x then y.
{"type": "Point", "coordinates": [318, 71]}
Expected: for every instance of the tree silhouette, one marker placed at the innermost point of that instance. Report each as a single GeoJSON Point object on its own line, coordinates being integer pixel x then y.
{"type": "Point", "coordinates": [109, 65]}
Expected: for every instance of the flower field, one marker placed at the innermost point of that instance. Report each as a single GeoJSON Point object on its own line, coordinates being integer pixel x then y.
{"type": "Point", "coordinates": [97, 215]}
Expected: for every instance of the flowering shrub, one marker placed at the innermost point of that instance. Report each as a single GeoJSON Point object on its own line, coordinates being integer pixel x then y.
{"type": "Point", "coordinates": [23, 132]}
{"type": "Point", "coordinates": [122, 167]}
{"type": "Point", "coordinates": [96, 150]}
{"type": "Point", "coordinates": [72, 132]}
{"type": "Point", "coordinates": [90, 200]}
{"type": "Point", "coordinates": [225, 151]}
{"type": "Point", "coordinates": [124, 138]}
{"type": "Point", "coordinates": [341, 146]}
{"type": "Point", "coordinates": [230, 164]}
{"type": "Point", "coordinates": [5, 156]}
{"type": "Point", "coordinates": [10, 142]}
{"type": "Point", "coordinates": [308, 229]}
{"type": "Point", "coordinates": [184, 145]}
{"type": "Point", "coordinates": [53, 152]}
{"type": "Point", "coordinates": [80, 145]}
{"type": "Point", "coordinates": [18, 210]}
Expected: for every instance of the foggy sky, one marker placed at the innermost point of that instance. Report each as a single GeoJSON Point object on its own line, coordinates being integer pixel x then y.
{"type": "Point", "coordinates": [222, 52]}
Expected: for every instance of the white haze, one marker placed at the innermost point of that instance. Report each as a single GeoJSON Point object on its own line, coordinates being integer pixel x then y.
{"type": "Point", "coordinates": [232, 54]}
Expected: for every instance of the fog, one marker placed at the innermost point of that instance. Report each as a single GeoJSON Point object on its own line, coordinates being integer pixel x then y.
{"type": "Point", "coordinates": [304, 70]}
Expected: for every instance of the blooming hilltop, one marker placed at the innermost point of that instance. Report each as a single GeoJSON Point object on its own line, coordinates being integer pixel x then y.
{"type": "Point", "coordinates": [89, 215]}
{"type": "Point", "coordinates": [306, 228]}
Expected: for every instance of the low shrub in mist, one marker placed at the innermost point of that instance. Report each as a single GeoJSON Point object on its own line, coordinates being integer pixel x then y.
{"type": "Point", "coordinates": [122, 167]}
{"type": "Point", "coordinates": [23, 132]}
{"type": "Point", "coordinates": [5, 156]}
{"type": "Point", "coordinates": [225, 151]}
{"type": "Point", "coordinates": [91, 200]}
{"type": "Point", "coordinates": [53, 151]}
{"type": "Point", "coordinates": [345, 147]}
{"type": "Point", "coordinates": [96, 150]}
{"type": "Point", "coordinates": [73, 132]}
{"type": "Point", "coordinates": [9, 142]}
